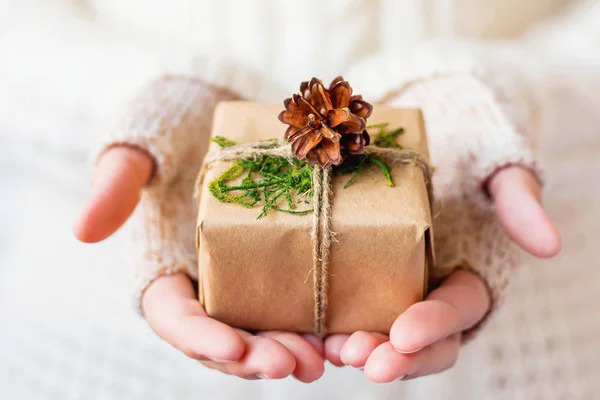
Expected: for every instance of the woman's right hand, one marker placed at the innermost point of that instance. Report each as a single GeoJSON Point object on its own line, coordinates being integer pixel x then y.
{"type": "Point", "coordinates": [170, 304]}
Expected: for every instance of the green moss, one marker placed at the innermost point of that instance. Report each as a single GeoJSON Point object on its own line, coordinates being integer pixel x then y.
{"type": "Point", "coordinates": [383, 138]}
{"type": "Point", "coordinates": [275, 182]}
{"type": "Point", "coordinates": [355, 165]}
{"type": "Point", "coordinates": [222, 141]}
{"type": "Point", "coordinates": [280, 184]}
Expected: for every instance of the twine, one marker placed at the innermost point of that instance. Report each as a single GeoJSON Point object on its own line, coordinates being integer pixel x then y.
{"type": "Point", "coordinates": [321, 233]}
{"type": "Point", "coordinates": [321, 238]}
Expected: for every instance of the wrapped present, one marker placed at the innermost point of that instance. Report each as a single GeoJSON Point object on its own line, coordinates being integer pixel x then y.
{"type": "Point", "coordinates": [345, 251]}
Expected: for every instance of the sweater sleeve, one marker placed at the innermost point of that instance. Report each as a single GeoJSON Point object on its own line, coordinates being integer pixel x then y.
{"type": "Point", "coordinates": [170, 119]}
{"type": "Point", "coordinates": [469, 139]}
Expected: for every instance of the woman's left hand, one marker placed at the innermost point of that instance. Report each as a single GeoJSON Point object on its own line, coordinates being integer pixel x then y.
{"type": "Point", "coordinates": [426, 338]}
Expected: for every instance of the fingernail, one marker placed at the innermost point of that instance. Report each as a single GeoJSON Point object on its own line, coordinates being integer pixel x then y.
{"type": "Point", "coordinates": [400, 378]}
{"type": "Point", "coordinates": [263, 376]}
{"type": "Point", "coordinates": [221, 361]}
{"type": "Point", "coordinates": [409, 352]}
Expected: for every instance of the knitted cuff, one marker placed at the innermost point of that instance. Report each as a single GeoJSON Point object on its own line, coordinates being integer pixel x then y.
{"type": "Point", "coordinates": [150, 269]}
{"type": "Point", "coordinates": [162, 235]}
{"type": "Point", "coordinates": [169, 119]}
{"type": "Point", "coordinates": [494, 155]}
{"type": "Point", "coordinates": [149, 143]}
{"type": "Point", "coordinates": [500, 139]}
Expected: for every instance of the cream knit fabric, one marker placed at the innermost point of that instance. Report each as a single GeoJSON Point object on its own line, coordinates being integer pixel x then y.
{"type": "Point", "coordinates": [470, 138]}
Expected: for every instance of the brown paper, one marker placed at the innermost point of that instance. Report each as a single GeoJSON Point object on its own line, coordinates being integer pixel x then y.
{"type": "Point", "coordinates": [256, 274]}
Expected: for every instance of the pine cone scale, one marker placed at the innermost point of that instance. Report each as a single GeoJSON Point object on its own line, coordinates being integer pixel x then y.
{"type": "Point", "coordinates": [337, 116]}
{"type": "Point", "coordinates": [289, 132]}
{"type": "Point", "coordinates": [332, 150]}
{"type": "Point", "coordinates": [304, 105]}
{"type": "Point", "coordinates": [329, 134]}
{"type": "Point", "coordinates": [360, 107]}
{"type": "Point", "coordinates": [320, 99]}
{"type": "Point", "coordinates": [354, 144]}
{"type": "Point", "coordinates": [340, 94]}
{"type": "Point", "coordinates": [354, 124]}
{"type": "Point", "coordinates": [306, 143]}
{"type": "Point", "coordinates": [297, 119]}
{"type": "Point", "coordinates": [300, 133]}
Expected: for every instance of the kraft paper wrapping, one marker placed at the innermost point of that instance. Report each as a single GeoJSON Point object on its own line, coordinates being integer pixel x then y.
{"type": "Point", "coordinates": [256, 274]}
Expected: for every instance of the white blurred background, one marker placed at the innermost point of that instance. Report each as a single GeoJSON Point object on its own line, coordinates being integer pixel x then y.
{"type": "Point", "coordinates": [67, 329]}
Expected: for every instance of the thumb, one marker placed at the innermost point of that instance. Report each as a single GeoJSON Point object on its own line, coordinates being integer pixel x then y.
{"type": "Point", "coordinates": [116, 186]}
{"type": "Point", "coordinates": [516, 193]}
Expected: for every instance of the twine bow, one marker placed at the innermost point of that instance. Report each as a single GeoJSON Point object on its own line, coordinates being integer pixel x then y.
{"type": "Point", "coordinates": [321, 233]}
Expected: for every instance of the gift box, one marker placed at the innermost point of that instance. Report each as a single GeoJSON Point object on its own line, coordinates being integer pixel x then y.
{"type": "Point", "coordinates": [264, 274]}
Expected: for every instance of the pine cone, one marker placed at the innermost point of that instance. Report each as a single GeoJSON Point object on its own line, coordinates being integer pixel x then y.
{"type": "Point", "coordinates": [326, 125]}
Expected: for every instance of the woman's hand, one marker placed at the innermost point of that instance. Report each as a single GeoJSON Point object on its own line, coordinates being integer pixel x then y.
{"type": "Point", "coordinates": [425, 339]}
{"type": "Point", "coordinates": [170, 304]}
{"type": "Point", "coordinates": [173, 311]}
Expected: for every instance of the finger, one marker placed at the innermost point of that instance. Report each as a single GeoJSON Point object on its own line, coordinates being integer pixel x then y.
{"type": "Point", "coordinates": [333, 348]}
{"type": "Point", "coordinates": [385, 364]}
{"type": "Point", "coordinates": [516, 193]}
{"type": "Point", "coordinates": [262, 360]}
{"type": "Point", "coordinates": [316, 342]}
{"type": "Point", "coordinates": [224, 368]}
{"type": "Point", "coordinates": [359, 347]}
{"type": "Point", "coordinates": [221, 367]}
{"type": "Point", "coordinates": [116, 185]}
{"type": "Point", "coordinates": [173, 312]}
{"type": "Point", "coordinates": [264, 357]}
{"type": "Point", "coordinates": [458, 304]}
{"type": "Point", "coordinates": [309, 363]}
